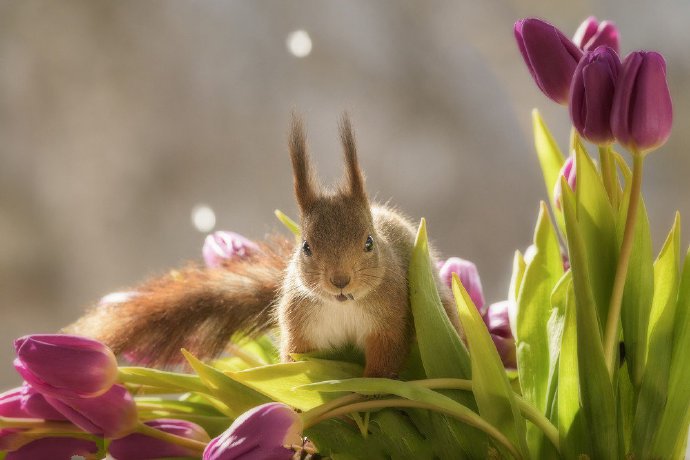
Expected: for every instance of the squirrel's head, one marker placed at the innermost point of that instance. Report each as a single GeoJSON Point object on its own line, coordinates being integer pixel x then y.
{"type": "Point", "coordinates": [339, 256]}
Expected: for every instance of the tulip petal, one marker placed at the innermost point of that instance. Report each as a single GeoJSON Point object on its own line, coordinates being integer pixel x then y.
{"type": "Point", "coordinates": [54, 448]}
{"type": "Point", "coordinates": [137, 446]}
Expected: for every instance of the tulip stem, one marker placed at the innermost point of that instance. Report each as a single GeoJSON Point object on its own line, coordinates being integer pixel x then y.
{"type": "Point", "coordinates": [611, 331]}
{"type": "Point", "coordinates": [171, 438]}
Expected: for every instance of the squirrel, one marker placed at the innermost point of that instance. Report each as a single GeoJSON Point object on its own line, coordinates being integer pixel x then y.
{"type": "Point", "coordinates": [345, 283]}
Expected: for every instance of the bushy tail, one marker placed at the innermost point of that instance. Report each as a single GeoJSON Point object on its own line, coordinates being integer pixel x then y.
{"type": "Point", "coordinates": [196, 308]}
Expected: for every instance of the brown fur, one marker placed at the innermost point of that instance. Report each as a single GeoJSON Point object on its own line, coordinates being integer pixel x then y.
{"type": "Point", "coordinates": [200, 308]}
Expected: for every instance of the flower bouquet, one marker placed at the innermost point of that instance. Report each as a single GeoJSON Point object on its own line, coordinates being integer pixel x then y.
{"type": "Point", "coordinates": [587, 358]}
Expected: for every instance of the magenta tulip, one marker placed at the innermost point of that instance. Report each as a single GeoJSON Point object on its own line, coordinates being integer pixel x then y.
{"type": "Point", "coordinates": [591, 94]}
{"type": "Point", "coordinates": [111, 415]}
{"type": "Point", "coordinates": [497, 320]}
{"type": "Point", "coordinates": [55, 449]}
{"type": "Point", "coordinates": [550, 57]}
{"type": "Point", "coordinates": [262, 433]}
{"type": "Point", "coordinates": [592, 34]}
{"type": "Point", "coordinates": [569, 171]}
{"type": "Point", "coordinates": [220, 246]}
{"type": "Point", "coordinates": [642, 112]}
{"type": "Point", "coordinates": [65, 365]}
{"type": "Point", "coordinates": [469, 277]}
{"type": "Point", "coordinates": [11, 404]}
{"type": "Point", "coordinates": [137, 446]}
{"type": "Point", "coordinates": [36, 406]}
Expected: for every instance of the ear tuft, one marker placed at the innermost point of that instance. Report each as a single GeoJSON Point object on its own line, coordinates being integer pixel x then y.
{"type": "Point", "coordinates": [305, 184]}
{"type": "Point", "coordinates": [355, 176]}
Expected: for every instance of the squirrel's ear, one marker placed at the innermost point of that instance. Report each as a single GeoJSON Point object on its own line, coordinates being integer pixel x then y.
{"type": "Point", "coordinates": [355, 176]}
{"type": "Point", "coordinates": [305, 184]}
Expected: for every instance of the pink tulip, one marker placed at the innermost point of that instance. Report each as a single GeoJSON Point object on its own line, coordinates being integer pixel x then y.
{"type": "Point", "coordinates": [497, 320]}
{"type": "Point", "coordinates": [569, 171]}
{"type": "Point", "coordinates": [469, 277]}
{"type": "Point", "coordinates": [55, 449]}
{"type": "Point", "coordinates": [592, 34]}
{"type": "Point", "coordinates": [36, 406]}
{"type": "Point", "coordinates": [220, 246]}
{"type": "Point", "coordinates": [137, 446]}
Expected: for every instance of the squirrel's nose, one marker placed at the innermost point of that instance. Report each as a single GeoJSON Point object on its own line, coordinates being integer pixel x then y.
{"type": "Point", "coordinates": [340, 280]}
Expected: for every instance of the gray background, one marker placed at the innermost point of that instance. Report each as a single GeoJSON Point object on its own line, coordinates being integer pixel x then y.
{"type": "Point", "coordinates": [117, 118]}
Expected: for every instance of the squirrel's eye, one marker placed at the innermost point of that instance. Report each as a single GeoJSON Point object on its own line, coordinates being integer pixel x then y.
{"type": "Point", "coordinates": [306, 249]}
{"type": "Point", "coordinates": [369, 245]}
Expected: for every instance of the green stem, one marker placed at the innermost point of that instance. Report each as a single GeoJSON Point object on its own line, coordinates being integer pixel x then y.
{"type": "Point", "coordinates": [192, 444]}
{"type": "Point", "coordinates": [395, 403]}
{"type": "Point", "coordinates": [611, 331]}
{"type": "Point", "coordinates": [309, 416]}
{"type": "Point", "coordinates": [574, 139]}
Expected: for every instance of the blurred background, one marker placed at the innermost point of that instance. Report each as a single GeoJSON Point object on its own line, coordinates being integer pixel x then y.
{"type": "Point", "coordinates": [128, 129]}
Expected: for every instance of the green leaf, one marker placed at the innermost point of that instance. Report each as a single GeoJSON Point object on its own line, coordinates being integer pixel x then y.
{"type": "Point", "coordinates": [550, 158]}
{"type": "Point", "coordinates": [163, 380]}
{"type": "Point", "coordinates": [653, 392]}
{"type": "Point", "coordinates": [339, 440]}
{"type": "Point", "coordinates": [533, 311]}
{"type": "Point", "coordinates": [289, 223]}
{"type": "Point", "coordinates": [596, 392]}
{"type": "Point", "coordinates": [572, 426]}
{"type": "Point", "coordinates": [514, 289]}
{"type": "Point", "coordinates": [639, 289]}
{"type": "Point", "coordinates": [401, 438]}
{"type": "Point", "coordinates": [430, 399]}
{"type": "Point", "coordinates": [490, 384]}
{"type": "Point", "coordinates": [672, 431]}
{"type": "Point", "coordinates": [237, 397]}
{"type": "Point", "coordinates": [443, 353]}
{"type": "Point", "coordinates": [598, 230]}
{"type": "Point", "coordinates": [278, 381]}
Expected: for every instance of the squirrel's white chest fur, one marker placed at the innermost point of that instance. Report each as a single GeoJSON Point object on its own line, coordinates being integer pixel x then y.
{"type": "Point", "coordinates": [334, 324]}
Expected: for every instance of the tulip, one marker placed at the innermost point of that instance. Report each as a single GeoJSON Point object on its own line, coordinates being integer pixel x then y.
{"type": "Point", "coordinates": [497, 320]}
{"type": "Point", "coordinates": [11, 404]}
{"type": "Point", "coordinates": [591, 94]}
{"type": "Point", "coordinates": [592, 34]}
{"type": "Point", "coordinates": [111, 415]}
{"type": "Point", "coordinates": [36, 406]}
{"type": "Point", "coordinates": [138, 446]}
{"type": "Point", "coordinates": [262, 433]}
{"type": "Point", "coordinates": [220, 246]}
{"type": "Point", "coordinates": [469, 277]}
{"type": "Point", "coordinates": [65, 365]}
{"type": "Point", "coordinates": [569, 171]}
{"type": "Point", "coordinates": [55, 449]}
{"type": "Point", "coordinates": [642, 112]}
{"type": "Point", "coordinates": [550, 57]}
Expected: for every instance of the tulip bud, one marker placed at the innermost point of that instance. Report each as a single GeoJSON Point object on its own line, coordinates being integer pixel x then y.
{"type": "Point", "coordinates": [65, 365]}
{"type": "Point", "coordinates": [111, 415]}
{"type": "Point", "coordinates": [642, 112]}
{"type": "Point", "coordinates": [55, 449]}
{"type": "Point", "coordinates": [591, 34]}
{"type": "Point", "coordinates": [137, 446]}
{"type": "Point", "coordinates": [569, 171]}
{"type": "Point", "coordinates": [550, 57]}
{"type": "Point", "coordinates": [591, 94]}
{"type": "Point", "coordinates": [220, 246]}
{"type": "Point", "coordinates": [262, 433]}
{"type": "Point", "coordinates": [36, 406]}
{"type": "Point", "coordinates": [469, 277]}
{"type": "Point", "coordinates": [497, 320]}
{"type": "Point", "coordinates": [11, 404]}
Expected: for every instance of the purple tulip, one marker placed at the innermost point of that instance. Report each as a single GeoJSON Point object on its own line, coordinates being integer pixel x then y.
{"type": "Point", "coordinates": [36, 406]}
{"type": "Point", "coordinates": [262, 433]}
{"type": "Point", "coordinates": [220, 246]}
{"type": "Point", "coordinates": [469, 277]}
{"type": "Point", "coordinates": [569, 171]}
{"type": "Point", "coordinates": [137, 446]}
{"type": "Point", "coordinates": [591, 34]}
{"type": "Point", "coordinates": [591, 94]}
{"type": "Point", "coordinates": [642, 112]}
{"type": "Point", "coordinates": [497, 320]}
{"type": "Point", "coordinates": [54, 449]}
{"type": "Point", "coordinates": [65, 365]}
{"type": "Point", "coordinates": [111, 415]}
{"type": "Point", "coordinates": [550, 56]}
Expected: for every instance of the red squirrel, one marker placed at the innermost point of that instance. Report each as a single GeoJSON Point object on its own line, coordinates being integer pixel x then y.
{"type": "Point", "coordinates": [345, 283]}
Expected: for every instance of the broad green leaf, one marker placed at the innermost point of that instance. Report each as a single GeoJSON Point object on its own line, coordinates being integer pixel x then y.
{"type": "Point", "coordinates": [672, 431]}
{"type": "Point", "coordinates": [652, 397]}
{"type": "Point", "coordinates": [289, 223]}
{"type": "Point", "coordinates": [572, 426]}
{"type": "Point", "coordinates": [627, 397]}
{"type": "Point", "coordinates": [339, 440]}
{"type": "Point", "coordinates": [170, 381]}
{"type": "Point", "coordinates": [490, 385]}
{"type": "Point", "coordinates": [609, 175]}
{"type": "Point", "coordinates": [533, 311]}
{"type": "Point", "coordinates": [443, 353]}
{"type": "Point", "coordinates": [278, 381]}
{"type": "Point", "coordinates": [239, 398]}
{"type": "Point", "coordinates": [519, 267]}
{"type": "Point", "coordinates": [428, 398]}
{"type": "Point", "coordinates": [402, 439]}
{"type": "Point", "coordinates": [596, 392]}
{"type": "Point", "coordinates": [639, 288]}
{"type": "Point", "coordinates": [550, 158]}
{"type": "Point", "coordinates": [598, 230]}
